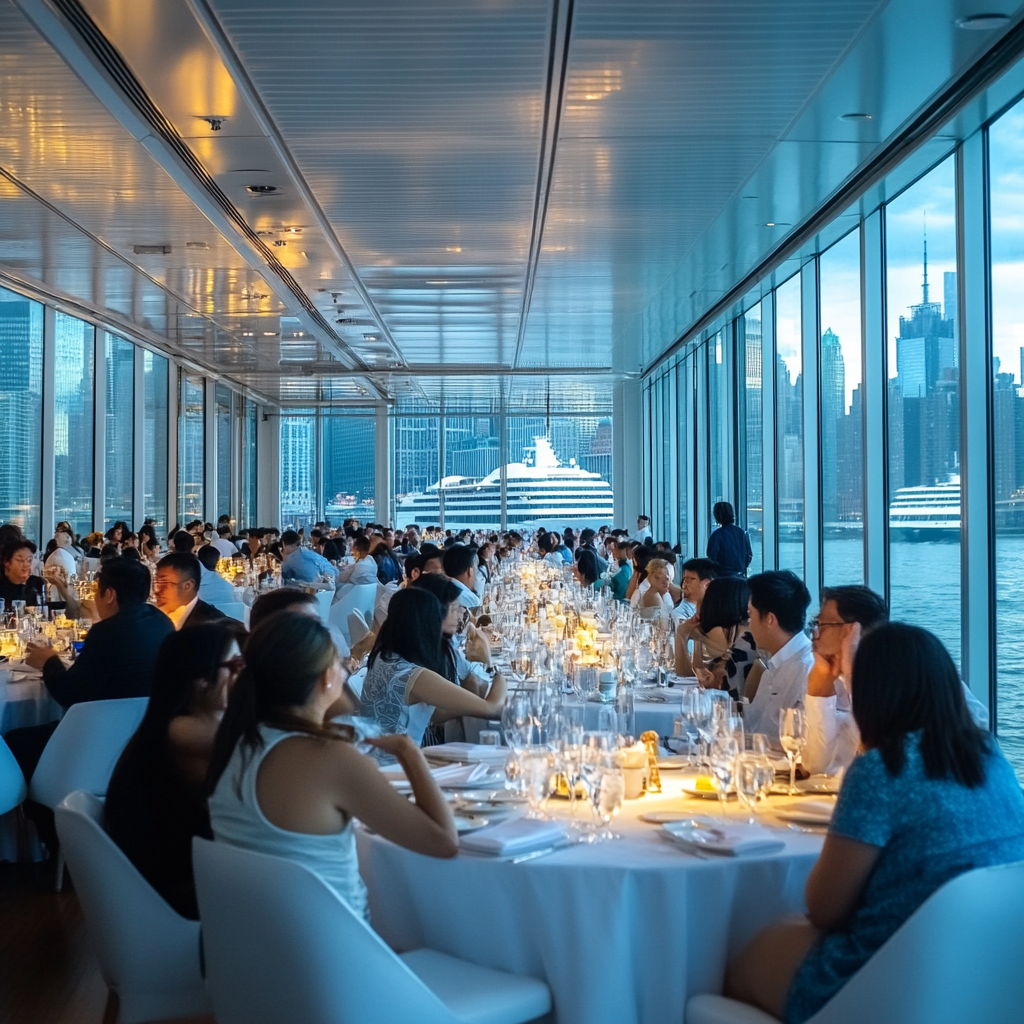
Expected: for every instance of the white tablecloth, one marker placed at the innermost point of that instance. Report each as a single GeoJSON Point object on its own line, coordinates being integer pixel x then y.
{"type": "Point", "coordinates": [24, 700]}
{"type": "Point", "coordinates": [623, 932]}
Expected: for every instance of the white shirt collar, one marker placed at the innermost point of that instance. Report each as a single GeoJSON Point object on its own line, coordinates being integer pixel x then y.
{"type": "Point", "coordinates": [797, 644]}
{"type": "Point", "coordinates": [467, 597]}
{"type": "Point", "coordinates": [179, 615]}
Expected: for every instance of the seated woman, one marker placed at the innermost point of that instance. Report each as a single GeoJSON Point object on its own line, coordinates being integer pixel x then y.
{"type": "Point", "coordinates": [285, 781]}
{"type": "Point", "coordinates": [724, 653]}
{"type": "Point", "coordinates": [156, 800]}
{"type": "Point", "coordinates": [640, 557]}
{"type": "Point", "coordinates": [586, 569]}
{"type": "Point", "coordinates": [930, 797]}
{"type": "Point", "coordinates": [406, 680]}
{"type": "Point", "coordinates": [657, 603]}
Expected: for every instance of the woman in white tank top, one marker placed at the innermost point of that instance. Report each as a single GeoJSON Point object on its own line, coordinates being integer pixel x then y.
{"type": "Point", "coordinates": [285, 781]}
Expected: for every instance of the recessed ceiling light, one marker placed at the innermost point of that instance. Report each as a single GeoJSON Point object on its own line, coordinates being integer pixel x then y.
{"type": "Point", "coordinates": [270, 334]}
{"type": "Point", "coordinates": [856, 117]}
{"type": "Point", "coordinates": [437, 282]}
{"type": "Point", "coordinates": [982, 22]}
{"type": "Point", "coordinates": [151, 250]}
{"type": "Point", "coordinates": [454, 248]}
{"type": "Point", "coordinates": [197, 245]}
{"type": "Point", "coordinates": [294, 231]}
{"type": "Point", "coordinates": [261, 190]}
{"type": "Point", "coordinates": [750, 197]}
{"type": "Point", "coordinates": [777, 224]}
{"type": "Point", "coordinates": [248, 334]}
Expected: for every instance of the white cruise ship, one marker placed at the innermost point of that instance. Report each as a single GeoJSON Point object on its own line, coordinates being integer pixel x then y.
{"type": "Point", "coordinates": [541, 492]}
{"type": "Point", "coordinates": [925, 513]}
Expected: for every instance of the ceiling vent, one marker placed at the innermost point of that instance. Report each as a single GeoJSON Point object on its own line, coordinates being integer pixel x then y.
{"type": "Point", "coordinates": [151, 250]}
{"type": "Point", "coordinates": [261, 190]}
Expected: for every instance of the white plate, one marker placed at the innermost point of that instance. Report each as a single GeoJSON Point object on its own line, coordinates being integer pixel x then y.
{"type": "Point", "coordinates": [801, 814]}
{"type": "Point", "coordinates": [690, 789]}
{"type": "Point", "coordinates": [465, 822]}
{"type": "Point", "coordinates": [674, 762]}
{"type": "Point", "coordinates": [660, 817]}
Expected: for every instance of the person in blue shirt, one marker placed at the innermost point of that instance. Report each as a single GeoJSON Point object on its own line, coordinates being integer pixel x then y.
{"type": "Point", "coordinates": [729, 546]}
{"type": "Point", "coordinates": [930, 797]}
{"type": "Point", "coordinates": [618, 582]}
{"type": "Point", "coordinates": [301, 565]}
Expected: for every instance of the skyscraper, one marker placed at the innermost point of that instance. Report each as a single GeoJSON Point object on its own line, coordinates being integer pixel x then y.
{"type": "Point", "coordinates": [833, 411]}
{"type": "Point", "coordinates": [298, 485]}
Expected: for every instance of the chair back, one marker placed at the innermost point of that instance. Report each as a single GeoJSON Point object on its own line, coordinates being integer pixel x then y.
{"type": "Point", "coordinates": [233, 609]}
{"type": "Point", "coordinates": [379, 612]}
{"type": "Point", "coordinates": [356, 680]}
{"type": "Point", "coordinates": [280, 945]}
{"type": "Point", "coordinates": [83, 750]}
{"type": "Point", "coordinates": [358, 598]}
{"type": "Point", "coordinates": [12, 782]}
{"type": "Point", "coordinates": [147, 952]}
{"type": "Point", "coordinates": [955, 960]}
{"type": "Point", "coordinates": [357, 627]}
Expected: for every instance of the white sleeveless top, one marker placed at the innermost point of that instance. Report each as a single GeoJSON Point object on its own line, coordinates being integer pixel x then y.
{"type": "Point", "coordinates": [240, 822]}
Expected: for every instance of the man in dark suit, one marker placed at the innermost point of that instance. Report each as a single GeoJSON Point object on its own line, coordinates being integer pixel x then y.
{"type": "Point", "coordinates": [117, 657]}
{"type": "Point", "coordinates": [176, 589]}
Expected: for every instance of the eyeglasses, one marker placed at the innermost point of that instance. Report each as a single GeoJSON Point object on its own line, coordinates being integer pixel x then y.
{"type": "Point", "coordinates": [816, 625]}
{"type": "Point", "coordinates": [233, 665]}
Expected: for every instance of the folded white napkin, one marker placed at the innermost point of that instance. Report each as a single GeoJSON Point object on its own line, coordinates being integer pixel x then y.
{"type": "Point", "coordinates": [818, 811]}
{"type": "Point", "coordinates": [730, 839]}
{"type": "Point", "coordinates": [518, 835]}
{"type": "Point", "coordinates": [472, 753]}
{"type": "Point", "coordinates": [472, 776]}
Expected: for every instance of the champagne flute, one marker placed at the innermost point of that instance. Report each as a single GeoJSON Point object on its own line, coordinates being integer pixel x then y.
{"type": "Point", "coordinates": [536, 771]}
{"type": "Point", "coordinates": [793, 737]}
{"type": "Point", "coordinates": [724, 751]}
{"type": "Point", "coordinates": [749, 774]}
{"type": "Point", "coordinates": [607, 796]}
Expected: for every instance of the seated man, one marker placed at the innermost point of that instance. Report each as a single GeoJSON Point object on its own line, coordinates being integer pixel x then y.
{"type": "Point", "coordinates": [212, 586]}
{"type": "Point", "coordinates": [117, 656]}
{"type": "Point", "coordinates": [618, 582]}
{"type": "Point", "coordinates": [302, 565]}
{"type": "Point", "coordinates": [833, 738]}
{"type": "Point", "coordinates": [778, 611]}
{"type": "Point", "coordinates": [697, 575]}
{"type": "Point", "coordinates": [460, 563]}
{"type": "Point", "coordinates": [176, 589]}
{"type": "Point", "coordinates": [360, 572]}
{"type": "Point", "coordinates": [223, 542]}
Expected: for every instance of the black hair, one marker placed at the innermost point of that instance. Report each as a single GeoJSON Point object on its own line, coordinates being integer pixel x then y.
{"type": "Point", "coordinates": [132, 554]}
{"type": "Point", "coordinates": [447, 593]}
{"type": "Point", "coordinates": [587, 536]}
{"type": "Point", "coordinates": [146, 530]}
{"type": "Point", "coordinates": [857, 603]}
{"type": "Point", "coordinates": [458, 559]}
{"type": "Point", "coordinates": [209, 556]}
{"type": "Point", "coordinates": [702, 568]}
{"type": "Point", "coordinates": [184, 564]}
{"type": "Point", "coordinates": [109, 552]}
{"type": "Point", "coordinates": [724, 513]}
{"type": "Point", "coordinates": [224, 530]}
{"type": "Point", "coordinates": [361, 544]}
{"type": "Point", "coordinates": [13, 546]}
{"type": "Point", "coordinates": [184, 542]}
{"type": "Point", "coordinates": [278, 601]}
{"type": "Point", "coordinates": [129, 580]}
{"type": "Point", "coordinates": [784, 594]}
{"type": "Point", "coordinates": [289, 538]}
{"type": "Point", "coordinates": [586, 565]}
{"type": "Point", "coordinates": [413, 563]}
{"type": "Point", "coordinates": [904, 681]}
{"type": "Point", "coordinates": [412, 630]}
{"type": "Point", "coordinates": [725, 604]}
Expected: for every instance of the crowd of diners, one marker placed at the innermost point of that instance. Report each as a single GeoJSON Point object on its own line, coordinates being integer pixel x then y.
{"type": "Point", "coordinates": [249, 735]}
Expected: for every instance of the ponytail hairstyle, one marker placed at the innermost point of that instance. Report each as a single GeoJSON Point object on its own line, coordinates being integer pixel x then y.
{"type": "Point", "coordinates": [285, 656]}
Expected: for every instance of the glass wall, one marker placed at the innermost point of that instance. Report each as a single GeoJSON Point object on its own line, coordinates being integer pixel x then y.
{"type": "Point", "coordinates": [21, 403]}
{"type": "Point", "coordinates": [249, 511]}
{"type": "Point", "coordinates": [154, 426]}
{"type": "Point", "coordinates": [720, 390]}
{"type": "Point", "coordinates": [751, 421]}
{"type": "Point", "coordinates": [841, 408]}
{"type": "Point", "coordinates": [924, 406]}
{"type": "Point", "coordinates": [73, 383]}
{"type": "Point", "coordinates": [119, 427]}
{"type": "Point", "coordinates": [789, 430]}
{"type": "Point", "coordinates": [191, 448]}
{"type": "Point", "coordinates": [298, 468]}
{"type": "Point", "coordinates": [349, 466]}
{"type": "Point", "coordinates": [222, 413]}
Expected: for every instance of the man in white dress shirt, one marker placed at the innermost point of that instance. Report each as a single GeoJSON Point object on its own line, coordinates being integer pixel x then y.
{"type": "Point", "coordinates": [223, 542]}
{"type": "Point", "coordinates": [643, 531]}
{"type": "Point", "coordinates": [362, 570]}
{"type": "Point", "coordinates": [460, 563]}
{"type": "Point", "coordinates": [778, 611]}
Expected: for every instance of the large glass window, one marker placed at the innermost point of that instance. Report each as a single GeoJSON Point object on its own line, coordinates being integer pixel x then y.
{"type": "Point", "coordinates": [248, 511]}
{"type": "Point", "coordinates": [471, 472]}
{"type": "Point", "coordinates": [684, 448]}
{"type": "Point", "coordinates": [223, 416]}
{"type": "Point", "coordinates": [192, 448]}
{"type": "Point", "coordinates": [154, 384]}
{"type": "Point", "coordinates": [120, 424]}
{"type": "Point", "coordinates": [924, 406]}
{"type": "Point", "coordinates": [752, 422]}
{"type": "Point", "coordinates": [841, 406]}
{"type": "Point", "coordinates": [789, 445]}
{"type": "Point", "coordinates": [1006, 170]}
{"type": "Point", "coordinates": [74, 380]}
{"type": "Point", "coordinates": [349, 467]}
{"type": "Point", "coordinates": [298, 468]}
{"type": "Point", "coordinates": [416, 468]}
{"type": "Point", "coordinates": [21, 406]}
{"type": "Point", "coordinates": [719, 422]}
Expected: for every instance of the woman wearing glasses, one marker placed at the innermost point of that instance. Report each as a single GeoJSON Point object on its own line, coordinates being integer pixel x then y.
{"type": "Point", "coordinates": [156, 801]}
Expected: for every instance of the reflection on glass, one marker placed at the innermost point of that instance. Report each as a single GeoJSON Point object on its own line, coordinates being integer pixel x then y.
{"type": "Point", "coordinates": [842, 456]}
{"type": "Point", "coordinates": [248, 512]}
{"type": "Point", "coordinates": [298, 468]}
{"type": "Point", "coordinates": [752, 423]}
{"type": "Point", "coordinates": [74, 373]}
{"type": "Point", "coordinates": [684, 407]}
{"type": "Point", "coordinates": [789, 444]}
{"type": "Point", "coordinates": [924, 406]}
{"type": "Point", "coordinates": [1006, 174]}
{"type": "Point", "coordinates": [191, 448]}
{"type": "Point", "coordinates": [719, 422]}
{"type": "Point", "coordinates": [154, 382]}
{"type": "Point", "coordinates": [21, 405]}
{"type": "Point", "coordinates": [349, 481]}
{"type": "Point", "coordinates": [222, 394]}
{"type": "Point", "coordinates": [120, 422]}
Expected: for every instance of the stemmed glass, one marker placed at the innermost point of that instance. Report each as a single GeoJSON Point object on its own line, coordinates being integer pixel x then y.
{"type": "Point", "coordinates": [701, 715]}
{"type": "Point", "coordinates": [542, 700]}
{"type": "Point", "coordinates": [516, 727]}
{"type": "Point", "coordinates": [793, 737]}
{"type": "Point", "coordinates": [754, 776]}
{"type": "Point", "coordinates": [608, 793]}
{"type": "Point", "coordinates": [536, 773]}
{"type": "Point", "coordinates": [724, 752]}
{"type": "Point", "coordinates": [569, 760]}
{"type": "Point", "coordinates": [596, 748]}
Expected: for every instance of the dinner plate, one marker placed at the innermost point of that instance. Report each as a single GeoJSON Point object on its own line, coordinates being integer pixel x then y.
{"type": "Point", "coordinates": [690, 789]}
{"type": "Point", "coordinates": [675, 762]}
{"type": "Point", "coordinates": [661, 817]}
{"type": "Point", "coordinates": [465, 822]}
{"type": "Point", "coordinates": [803, 813]}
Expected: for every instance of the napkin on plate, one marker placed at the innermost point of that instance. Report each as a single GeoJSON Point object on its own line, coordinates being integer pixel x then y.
{"type": "Point", "coordinates": [730, 839]}
{"type": "Point", "coordinates": [519, 835]}
{"type": "Point", "coordinates": [814, 811]}
{"type": "Point", "coordinates": [472, 776]}
{"type": "Point", "coordinates": [470, 752]}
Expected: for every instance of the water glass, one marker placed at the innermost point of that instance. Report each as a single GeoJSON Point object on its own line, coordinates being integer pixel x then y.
{"type": "Point", "coordinates": [750, 784]}
{"type": "Point", "coordinates": [793, 737]}
{"type": "Point", "coordinates": [536, 765]}
{"type": "Point", "coordinates": [607, 794]}
{"type": "Point", "coordinates": [490, 738]}
{"type": "Point", "coordinates": [724, 752]}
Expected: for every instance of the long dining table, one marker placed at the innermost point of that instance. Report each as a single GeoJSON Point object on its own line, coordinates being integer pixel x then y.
{"type": "Point", "coordinates": [622, 931]}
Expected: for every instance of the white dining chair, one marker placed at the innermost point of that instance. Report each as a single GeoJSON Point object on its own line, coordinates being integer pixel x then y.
{"type": "Point", "coordinates": [357, 627]}
{"type": "Point", "coordinates": [149, 955]}
{"type": "Point", "coordinates": [356, 680]}
{"type": "Point", "coordinates": [232, 609]}
{"type": "Point", "coordinates": [380, 606]}
{"type": "Point", "coordinates": [956, 960]}
{"type": "Point", "coordinates": [12, 782]}
{"type": "Point", "coordinates": [82, 752]}
{"type": "Point", "coordinates": [281, 946]}
{"type": "Point", "coordinates": [358, 598]}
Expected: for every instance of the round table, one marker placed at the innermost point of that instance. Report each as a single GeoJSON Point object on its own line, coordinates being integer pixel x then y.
{"type": "Point", "coordinates": [623, 932]}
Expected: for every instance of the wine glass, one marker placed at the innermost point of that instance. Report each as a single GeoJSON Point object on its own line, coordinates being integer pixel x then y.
{"type": "Point", "coordinates": [569, 759]}
{"type": "Point", "coordinates": [724, 751]}
{"type": "Point", "coordinates": [536, 773]}
{"type": "Point", "coordinates": [749, 782]}
{"type": "Point", "coordinates": [542, 701]}
{"type": "Point", "coordinates": [793, 737]}
{"type": "Point", "coordinates": [607, 794]}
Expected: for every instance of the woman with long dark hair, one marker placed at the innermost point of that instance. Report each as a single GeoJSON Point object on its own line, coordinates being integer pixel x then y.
{"type": "Point", "coordinates": [406, 680]}
{"type": "Point", "coordinates": [930, 797]}
{"type": "Point", "coordinates": [156, 800]}
{"type": "Point", "coordinates": [286, 781]}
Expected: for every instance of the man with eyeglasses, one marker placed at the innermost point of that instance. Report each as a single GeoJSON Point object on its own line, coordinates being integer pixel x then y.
{"type": "Point", "coordinates": [176, 590]}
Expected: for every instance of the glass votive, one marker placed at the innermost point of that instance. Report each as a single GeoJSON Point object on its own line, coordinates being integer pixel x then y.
{"type": "Point", "coordinates": [490, 737]}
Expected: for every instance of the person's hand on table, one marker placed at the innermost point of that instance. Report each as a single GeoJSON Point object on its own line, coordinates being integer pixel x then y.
{"type": "Point", "coordinates": [38, 654]}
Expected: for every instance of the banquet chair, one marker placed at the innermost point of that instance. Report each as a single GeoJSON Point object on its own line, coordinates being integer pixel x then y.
{"type": "Point", "coordinates": [12, 783]}
{"type": "Point", "coordinates": [82, 752]}
{"type": "Point", "coordinates": [232, 609]}
{"type": "Point", "coordinates": [358, 598]}
{"type": "Point", "coordinates": [149, 955]}
{"type": "Point", "coordinates": [357, 627]}
{"type": "Point", "coordinates": [955, 960]}
{"type": "Point", "coordinates": [378, 613]}
{"type": "Point", "coordinates": [356, 680]}
{"type": "Point", "coordinates": [281, 946]}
